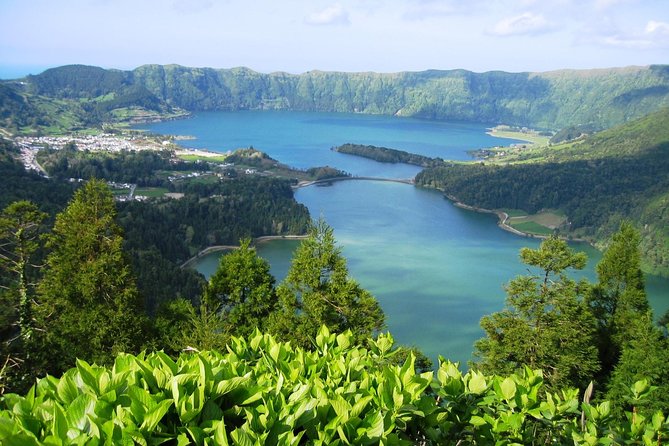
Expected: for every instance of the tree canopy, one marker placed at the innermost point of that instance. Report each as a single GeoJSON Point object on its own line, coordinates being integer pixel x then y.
{"type": "Point", "coordinates": [242, 290]}
{"type": "Point", "coordinates": [545, 324]}
{"type": "Point", "coordinates": [89, 304]}
{"type": "Point", "coordinates": [318, 291]}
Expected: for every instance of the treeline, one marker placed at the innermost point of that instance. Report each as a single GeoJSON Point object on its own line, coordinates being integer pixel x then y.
{"type": "Point", "coordinates": [600, 98]}
{"type": "Point", "coordinates": [386, 155]}
{"type": "Point", "coordinates": [163, 234]}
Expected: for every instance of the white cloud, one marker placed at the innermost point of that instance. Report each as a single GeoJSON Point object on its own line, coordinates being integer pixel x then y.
{"type": "Point", "coordinates": [524, 24]}
{"type": "Point", "coordinates": [655, 35]}
{"type": "Point", "coordinates": [332, 15]}
{"type": "Point", "coordinates": [657, 28]}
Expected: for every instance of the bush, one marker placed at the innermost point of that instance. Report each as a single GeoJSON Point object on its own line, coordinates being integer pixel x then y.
{"type": "Point", "coordinates": [265, 392]}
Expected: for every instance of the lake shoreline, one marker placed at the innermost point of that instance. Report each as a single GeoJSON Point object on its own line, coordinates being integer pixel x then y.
{"type": "Point", "coordinates": [256, 240]}
{"type": "Point", "coordinates": [503, 217]}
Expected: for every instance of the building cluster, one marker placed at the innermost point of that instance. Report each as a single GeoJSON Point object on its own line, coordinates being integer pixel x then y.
{"type": "Point", "coordinates": [94, 143]}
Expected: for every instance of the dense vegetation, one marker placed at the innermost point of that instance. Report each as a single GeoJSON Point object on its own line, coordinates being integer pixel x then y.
{"type": "Point", "coordinates": [386, 155]}
{"type": "Point", "coordinates": [261, 391]}
{"type": "Point", "coordinates": [143, 168]}
{"type": "Point", "coordinates": [18, 184]}
{"type": "Point", "coordinates": [86, 95]}
{"type": "Point", "coordinates": [84, 301]}
{"type": "Point", "coordinates": [161, 234]}
{"type": "Point", "coordinates": [89, 282]}
{"type": "Point", "coordinates": [84, 306]}
{"type": "Point", "coordinates": [617, 174]}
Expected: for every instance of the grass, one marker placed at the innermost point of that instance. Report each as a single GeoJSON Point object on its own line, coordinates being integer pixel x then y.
{"type": "Point", "coordinates": [531, 227]}
{"type": "Point", "coordinates": [215, 159]}
{"type": "Point", "coordinates": [529, 136]}
{"type": "Point", "coordinates": [515, 213]}
{"type": "Point", "coordinates": [542, 223]}
{"type": "Point", "coordinates": [151, 192]}
{"type": "Point", "coordinates": [119, 192]}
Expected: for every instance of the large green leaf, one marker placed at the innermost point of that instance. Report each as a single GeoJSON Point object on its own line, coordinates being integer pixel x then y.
{"type": "Point", "coordinates": [153, 416]}
{"type": "Point", "coordinates": [67, 389]}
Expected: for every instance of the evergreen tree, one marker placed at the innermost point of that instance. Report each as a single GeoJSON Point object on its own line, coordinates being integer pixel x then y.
{"type": "Point", "coordinates": [545, 323]}
{"type": "Point", "coordinates": [618, 301]}
{"type": "Point", "coordinates": [90, 307]}
{"type": "Point", "coordinates": [318, 291]}
{"type": "Point", "coordinates": [645, 356]}
{"type": "Point", "coordinates": [19, 229]}
{"type": "Point", "coordinates": [631, 348]}
{"type": "Point", "coordinates": [243, 289]}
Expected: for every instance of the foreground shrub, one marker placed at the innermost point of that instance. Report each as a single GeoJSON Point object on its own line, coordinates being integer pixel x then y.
{"type": "Point", "coordinates": [265, 392]}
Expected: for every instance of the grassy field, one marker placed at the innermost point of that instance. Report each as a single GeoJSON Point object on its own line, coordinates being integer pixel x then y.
{"type": "Point", "coordinates": [515, 213]}
{"type": "Point", "coordinates": [119, 192]}
{"type": "Point", "coordinates": [214, 159]}
{"type": "Point", "coordinates": [531, 227]}
{"type": "Point", "coordinates": [529, 136]}
{"type": "Point", "coordinates": [151, 192]}
{"type": "Point", "coordinates": [542, 223]}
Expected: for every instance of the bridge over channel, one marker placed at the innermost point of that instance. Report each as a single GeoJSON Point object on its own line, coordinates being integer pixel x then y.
{"type": "Point", "coordinates": [333, 180]}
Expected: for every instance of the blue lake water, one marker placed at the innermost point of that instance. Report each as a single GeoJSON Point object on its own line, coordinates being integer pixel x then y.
{"type": "Point", "coordinates": [304, 140]}
{"type": "Point", "coordinates": [435, 268]}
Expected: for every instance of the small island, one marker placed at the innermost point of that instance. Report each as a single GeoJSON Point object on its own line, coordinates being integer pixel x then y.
{"type": "Point", "coordinates": [386, 155]}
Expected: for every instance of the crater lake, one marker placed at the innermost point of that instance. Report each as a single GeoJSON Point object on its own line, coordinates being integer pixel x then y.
{"type": "Point", "coordinates": [435, 268]}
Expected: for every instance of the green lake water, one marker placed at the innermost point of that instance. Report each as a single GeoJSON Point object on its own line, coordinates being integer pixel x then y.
{"type": "Point", "coordinates": [436, 269]}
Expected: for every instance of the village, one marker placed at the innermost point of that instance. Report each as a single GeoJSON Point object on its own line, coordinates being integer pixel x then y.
{"type": "Point", "coordinates": [106, 142]}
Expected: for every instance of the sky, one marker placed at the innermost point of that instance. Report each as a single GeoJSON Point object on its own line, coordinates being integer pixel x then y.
{"type": "Point", "coordinates": [296, 36]}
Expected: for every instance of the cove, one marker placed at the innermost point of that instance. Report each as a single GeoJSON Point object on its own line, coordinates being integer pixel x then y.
{"type": "Point", "coordinates": [436, 269]}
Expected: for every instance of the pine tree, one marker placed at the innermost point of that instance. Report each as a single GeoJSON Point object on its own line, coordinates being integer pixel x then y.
{"type": "Point", "coordinates": [19, 230]}
{"type": "Point", "coordinates": [630, 346]}
{"type": "Point", "coordinates": [242, 289]}
{"type": "Point", "coordinates": [90, 307]}
{"type": "Point", "coordinates": [545, 323]}
{"type": "Point", "coordinates": [619, 301]}
{"type": "Point", "coordinates": [318, 291]}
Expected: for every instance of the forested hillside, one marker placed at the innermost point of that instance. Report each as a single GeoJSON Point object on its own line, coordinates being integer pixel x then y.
{"type": "Point", "coordinates": [621, 173]}
{"type": "Point", "coordinates": [160, 234]}
{"type": "Point", "coordinates": [552, 100]}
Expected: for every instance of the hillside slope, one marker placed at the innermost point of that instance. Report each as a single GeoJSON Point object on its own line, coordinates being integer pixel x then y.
{"type": "Point", "coordinates": [600, 98]}
{"type": "Point", "coordinates": [621, 173]}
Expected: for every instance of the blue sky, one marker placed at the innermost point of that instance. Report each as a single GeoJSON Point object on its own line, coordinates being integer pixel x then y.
{"type": "Point", "coordinates": [345, 35]}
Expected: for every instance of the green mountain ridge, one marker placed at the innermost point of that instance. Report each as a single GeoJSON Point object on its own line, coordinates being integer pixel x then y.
{"type": "Point", "coordinates": [600, 98]}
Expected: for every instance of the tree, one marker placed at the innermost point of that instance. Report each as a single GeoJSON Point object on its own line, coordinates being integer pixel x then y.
{"type": "Point", "coordinates": [630, 346]}
{"type": "Point", "coordinates": [545, 323]}
{"type": "Point", "coordinates": [19, 230]}
{"type": "Point", "coordinates": [644, 357]}
{"type": "Point", "coordinates": [618, 301]}
{"type": "Point", "coordinates": [318, 291]}
{"type": "Point", "coordinates": [90, 307]}
{"type": "Point", "coordinates": [243, 289]}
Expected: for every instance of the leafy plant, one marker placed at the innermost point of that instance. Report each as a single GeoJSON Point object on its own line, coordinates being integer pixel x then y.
{"type": "Point", "coordinates": [266, 392]}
